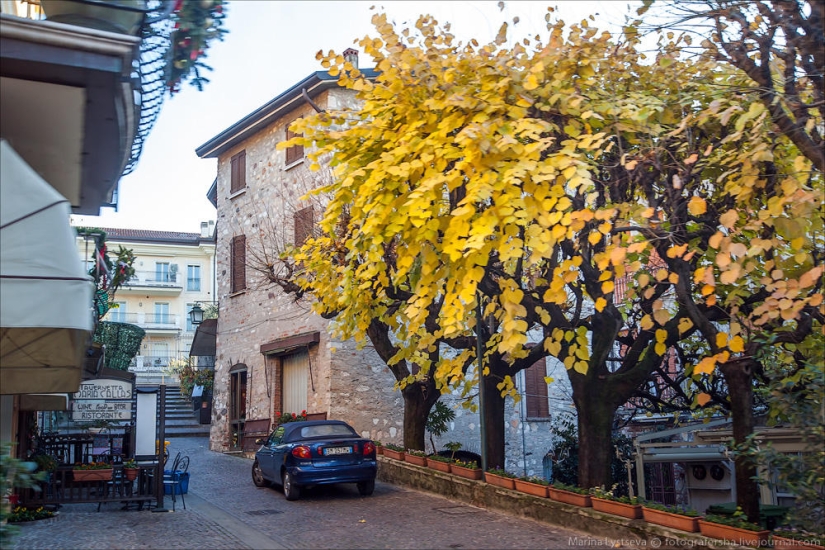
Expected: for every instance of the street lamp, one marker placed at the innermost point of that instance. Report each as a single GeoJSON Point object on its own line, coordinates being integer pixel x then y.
{"type": "Point", "coordinates": [196, 315]}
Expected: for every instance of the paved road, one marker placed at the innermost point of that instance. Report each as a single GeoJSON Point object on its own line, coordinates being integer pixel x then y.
{"type": "Point", "coordinates": [225, 510]}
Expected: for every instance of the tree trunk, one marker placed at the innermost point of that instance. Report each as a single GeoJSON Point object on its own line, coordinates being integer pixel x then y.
{"type": "Point", "coordinates": [494, 423]}
{"type": "Point", "coordinates": [595, 424]}
{"type": "Point", "coordinates": [739, 378]}
{"type": "Point", "coordinates": [419, 398]}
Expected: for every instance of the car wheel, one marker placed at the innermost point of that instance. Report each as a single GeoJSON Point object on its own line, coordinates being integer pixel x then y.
{"type": "Point", "coordinates": [291, 491]}
{"type": "Point", "coordinates": [366, 487]}
{"type": "Point", "coordinates": [258, 476]}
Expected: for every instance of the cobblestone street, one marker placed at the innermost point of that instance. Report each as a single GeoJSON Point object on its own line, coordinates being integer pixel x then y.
{"type": "Point", "coordinates": [225, 510]}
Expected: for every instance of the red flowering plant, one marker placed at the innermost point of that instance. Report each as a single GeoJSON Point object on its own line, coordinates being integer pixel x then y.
{"type": "Point", "coordinates": [197, 24]}
{"type": "Point", "coordinates": [283, 418]}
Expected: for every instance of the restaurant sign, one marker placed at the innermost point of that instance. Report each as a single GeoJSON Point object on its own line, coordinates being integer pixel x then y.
{"type": "Point", "coordinates": [103, 400]}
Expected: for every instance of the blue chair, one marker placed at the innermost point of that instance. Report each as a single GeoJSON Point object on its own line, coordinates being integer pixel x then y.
{"type": "Point", "coordinates": [173, 479]}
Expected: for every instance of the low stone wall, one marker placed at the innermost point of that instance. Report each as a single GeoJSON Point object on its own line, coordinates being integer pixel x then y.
{"type": "Point", "coordinates": [586, 520]}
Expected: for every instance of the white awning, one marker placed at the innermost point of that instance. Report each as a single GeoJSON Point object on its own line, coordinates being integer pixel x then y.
{"type": "Point", "coordinates": [45, 296]}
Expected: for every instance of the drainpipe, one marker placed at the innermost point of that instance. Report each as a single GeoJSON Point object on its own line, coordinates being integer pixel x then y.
{"type": "Point", "coordinates": [479, 355]}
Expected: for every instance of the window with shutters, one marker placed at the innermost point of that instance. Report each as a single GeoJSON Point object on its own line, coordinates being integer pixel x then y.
{"type": "Point", "coordinates": [296, 152]}
{"type": "Point", "coordinates": [535, 389]}
{"type": "Point", "coordinates": [304, 222]}
{"type": "Point", "coordinates": [238, 177]}
{"type": "Point", "coordinates": [238, 263]}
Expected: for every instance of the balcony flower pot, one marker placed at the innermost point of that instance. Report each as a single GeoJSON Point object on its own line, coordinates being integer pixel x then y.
{"type": "Point", "coordinates": [104, 15]}
{"type": "Point", "coordinates": [439, 465]}
{"type": "Point", "coordinates": [393, 454]}
{"type": "Point", "coordinates": [531, 488]}
{"type": "Point", "coordinates": [786, 542]}
{"type": "Point", "coordinates": [569, 497]}
{"type": "Point", "coordinates": [499, 480]}
{"type": "Point", "coordinates": [744, 537]}
{"type": "Point", "coordinates": [92, 475]}
{"type": "Point", "coordinates": [669, 519]}
{"type": "Point", "coordinates": [467, 473]}
{"type": "Point", "coordinates": [130, 473]}
{"type": "Point", "coordinates": [415, 459]}
{"type": "Point", "coordinates": [631, 511]}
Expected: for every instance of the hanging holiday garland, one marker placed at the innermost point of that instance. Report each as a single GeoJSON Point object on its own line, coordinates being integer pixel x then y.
{"type": "Point", "coordinates": [197, 23]}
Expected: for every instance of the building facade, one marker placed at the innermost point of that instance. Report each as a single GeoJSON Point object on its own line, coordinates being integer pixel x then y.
{"type": "Point", "coordinates": [273, 355]}
{"type": "Point", "coordinates": [173, 272]}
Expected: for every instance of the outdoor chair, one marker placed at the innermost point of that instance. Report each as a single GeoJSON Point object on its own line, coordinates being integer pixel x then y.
{"type": "Point", "coordinates": [174, 479]}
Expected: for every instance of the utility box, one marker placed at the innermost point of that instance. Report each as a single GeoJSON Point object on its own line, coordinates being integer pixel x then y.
{"type": "Point", "coordinates": [206, 410]}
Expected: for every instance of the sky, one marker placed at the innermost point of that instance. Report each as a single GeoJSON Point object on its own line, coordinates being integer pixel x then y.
{"type": "Point", "coordinates": [269, 47]}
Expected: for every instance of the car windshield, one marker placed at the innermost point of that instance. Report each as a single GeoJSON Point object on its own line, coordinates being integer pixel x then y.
{"type": "Point", "coordinates": [327, 430]}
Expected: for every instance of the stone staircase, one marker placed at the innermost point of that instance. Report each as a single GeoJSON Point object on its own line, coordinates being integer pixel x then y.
{"type": "Point", "coordinates": [181, 419]}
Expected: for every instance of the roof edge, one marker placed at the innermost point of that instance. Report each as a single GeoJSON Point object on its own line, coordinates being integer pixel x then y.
{"type": "Point", "coordinates": [314, 84]}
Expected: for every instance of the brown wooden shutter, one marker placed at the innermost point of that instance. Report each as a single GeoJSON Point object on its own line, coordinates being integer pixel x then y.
{"type": "Point", "coordinates": [296, 152]}
{"type": "Point", "coordinates": [238, 263]}
{"type": "Point", "coordinates": [304, 222]}
{"type": "Point", "coordinates": [536, 389]}
{"type": "Point", "coordinates": [238, 172]}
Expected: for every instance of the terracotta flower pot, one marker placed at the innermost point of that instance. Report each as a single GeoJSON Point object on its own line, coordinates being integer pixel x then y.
{"type": "Point", "coordinates": [631, 511]}
{"type": "Point", "coordinates": [531, 488]}
{"type": "Point", "coordinates": [468, 473]}
{"type": "Point", "coordinates": [438, 465]}
{"type": "Point", "coordinates": [415, 459]}
{"type": "Point", "coordinates": [568, 497]}
{"type": "Point", "coordinates": [395, 455]}
{"type": "Point", "coordinates": [499, 481]}
{"type": "Point", "coordinates": [92, 475]}
{"type": "Point", "coordinates": [784, 542]}
{"type": "Point", "coordinates": [733, 534]}
{"type": "Point", "coordinates": [669, 519]}
{"type": "Point", "coordinates": [130, 473]}
{"type": "Point", "coordinates": [379, 449]}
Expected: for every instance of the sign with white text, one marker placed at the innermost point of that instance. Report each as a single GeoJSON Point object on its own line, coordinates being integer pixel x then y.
{"type": "Point", "coordinates": [102, 400]}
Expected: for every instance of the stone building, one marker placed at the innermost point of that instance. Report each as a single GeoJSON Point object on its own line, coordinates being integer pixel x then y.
{"type": "Point", "coordinates": [273, 355]}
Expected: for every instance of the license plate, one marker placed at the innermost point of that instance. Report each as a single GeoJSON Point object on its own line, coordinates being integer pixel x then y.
{"type": "Point", "coordinates": [337, 451]}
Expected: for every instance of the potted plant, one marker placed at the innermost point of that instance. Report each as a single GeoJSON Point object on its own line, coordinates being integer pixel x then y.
{"type": "Point", "coordinates": [379, 447]}
{"type": "Point", "coordinates": [605, 501]}
{"type": "Point", "coordinates": [130, 469]}
{"type": "Point", "coordinates": [93, 471]}
{"type": "Point", "coordinates": [569, 494]}
{"type": "Point", "coordinates": [676, 517]}
{"type": "Point", "coordinates": [532, 485]}
{"type": "Point", "coordinates": [438, 462]}
{"type": "Point", "coordinates": [396, 452]}
{"type": "Point", "coordinates": [500, 478]}
{"type": "Point", "coordinates": [23, 514]}
{"type": "Point", "coordinates": [438, 421]}
{"type": "Point", "coordinates": [734, 528]}
{"type": "Point", "coordinates": [468, 470]}
{"type": "Point", "coordinates": [14, 473]}
{"type": "Point", "coordinates": [414, 456]}
{"type": "Point", "coordinates": [789, 537]}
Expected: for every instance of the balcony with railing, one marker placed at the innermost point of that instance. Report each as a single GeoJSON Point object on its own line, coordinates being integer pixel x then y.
{"type": "Point", "coordinates": [108, 63]}
{"type": "Point", "coordinates": [164, 282]}
{"type": "Point", "coordinates": [147, 321]}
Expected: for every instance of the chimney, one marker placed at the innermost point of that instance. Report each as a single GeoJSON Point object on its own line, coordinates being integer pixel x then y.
{"type": "Point", "coordinates": [351, 55]}
{"type": "Point", "coordinates": [204, 230]}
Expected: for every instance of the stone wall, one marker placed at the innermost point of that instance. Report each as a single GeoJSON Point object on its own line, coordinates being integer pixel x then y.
{"type": "Point", "coordinates": [526, 441]}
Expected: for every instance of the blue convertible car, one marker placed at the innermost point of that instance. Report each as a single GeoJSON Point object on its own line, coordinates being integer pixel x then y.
{"type": "Point", "coordinates": [315, 452]}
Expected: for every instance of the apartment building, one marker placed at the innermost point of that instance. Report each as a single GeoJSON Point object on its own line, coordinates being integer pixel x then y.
{"type": "Point", "coordinates": [173, 272]}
